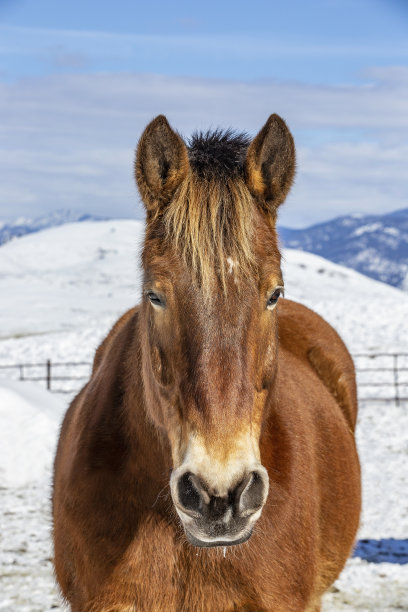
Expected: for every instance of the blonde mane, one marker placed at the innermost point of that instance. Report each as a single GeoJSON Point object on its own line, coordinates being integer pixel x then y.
{"type": "Point", "coordinates": [211, 224]}
{"type": "Point", "coordinates": [210, 219]}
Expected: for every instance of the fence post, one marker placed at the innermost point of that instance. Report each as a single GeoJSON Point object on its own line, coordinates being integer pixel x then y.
{"type": "Point", "coordinates": [49, 374]}
{"type": "Point", "coordinates": [21, 368]}
{"type": "Point", "coordinates": [396, 381]}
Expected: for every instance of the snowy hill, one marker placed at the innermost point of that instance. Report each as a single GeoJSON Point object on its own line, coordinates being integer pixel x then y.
{"type": "Point", "coordinates": [22, 226]}
{"type": "Point", "coordinates": [79, 277]}
{"type": "Point", "coordinates": [375, 245]}
{"type": "Point", "coordinates": [67, 278]}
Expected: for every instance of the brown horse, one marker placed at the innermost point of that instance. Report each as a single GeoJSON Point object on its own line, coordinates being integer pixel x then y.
{"type": "Point", "coordinates": [210, 464]}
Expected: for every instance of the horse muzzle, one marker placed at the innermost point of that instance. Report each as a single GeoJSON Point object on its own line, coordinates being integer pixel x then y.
{"type": "Point", "coordinates": [211, 519]}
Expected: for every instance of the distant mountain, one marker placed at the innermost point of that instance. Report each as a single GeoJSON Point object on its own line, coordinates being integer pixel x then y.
{"type": "Point", "coordinates": [375, 245]}
{"type": "Point", "coordinates": [23, 226]}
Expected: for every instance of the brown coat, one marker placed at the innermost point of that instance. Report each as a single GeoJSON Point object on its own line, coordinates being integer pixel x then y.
{"type": "Point", "coordinates": [212, 412]}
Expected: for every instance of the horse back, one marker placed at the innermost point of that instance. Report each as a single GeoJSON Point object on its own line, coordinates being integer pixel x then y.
{"type": "Point", "coordinates": [306, 335]}
{"type": "Point", "coordinates": [315, 401]}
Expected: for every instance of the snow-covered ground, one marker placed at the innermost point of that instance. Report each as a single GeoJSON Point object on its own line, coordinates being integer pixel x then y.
{"type": "Point", "coordinates": [29, 424]}
{"type": "Point", "coordinates": [62, 289]}
{"type": "Point", "coordinates": [29, 418]}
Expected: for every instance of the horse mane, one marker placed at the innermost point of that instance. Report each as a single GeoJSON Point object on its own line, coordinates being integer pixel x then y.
{"type": "Point", "coordinates": [210, 219]}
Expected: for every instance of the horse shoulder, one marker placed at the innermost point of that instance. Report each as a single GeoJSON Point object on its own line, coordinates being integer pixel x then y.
{"type": "Point", "coordinates": [102, 373]}
{"type": "Point", "coordinates": [308, 336]}
{"type": "Point", "coordinates": [96, 403]}
{"type": "Point", "coordinates": [91, 452]}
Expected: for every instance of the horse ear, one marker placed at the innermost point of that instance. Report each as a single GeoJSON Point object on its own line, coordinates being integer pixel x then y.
{"type": "Point", "coordinates": [270, 163]}
{"type": "Point", "coordinates": [161, 163]}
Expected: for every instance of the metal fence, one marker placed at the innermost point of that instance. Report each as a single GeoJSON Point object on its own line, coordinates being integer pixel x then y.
{"type": "Point", "coordinates": [380, 376]}
{"type": "Point", "coordinates": [58, 377]}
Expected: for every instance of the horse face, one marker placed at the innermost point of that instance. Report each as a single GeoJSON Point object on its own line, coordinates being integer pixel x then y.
{"type": "Point", "coordinates": [211, 362]}
{"type": "Point", "coordinates": [210, 344]}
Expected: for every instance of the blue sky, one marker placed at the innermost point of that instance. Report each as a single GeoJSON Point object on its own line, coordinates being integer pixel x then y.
{"type": "Point", "coordinates": [80, 80]}
{"type": "Point", "coordinates": [329, 41]}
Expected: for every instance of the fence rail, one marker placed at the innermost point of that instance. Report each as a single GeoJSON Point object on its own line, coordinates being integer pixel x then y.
{"type": "Point", "coordinates": [385, 374]}
{"type": "Point", "coordinates": [50, 371]}
{"type": "Point", "coordinates": [380, 376]}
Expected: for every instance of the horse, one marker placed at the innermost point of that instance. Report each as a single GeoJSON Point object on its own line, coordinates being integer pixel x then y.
{"type": "Point", "coordinates": [210, 463]}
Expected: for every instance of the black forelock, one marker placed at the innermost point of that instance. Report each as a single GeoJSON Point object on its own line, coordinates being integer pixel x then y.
{"type": "Point", "coordinates": [218, 153]}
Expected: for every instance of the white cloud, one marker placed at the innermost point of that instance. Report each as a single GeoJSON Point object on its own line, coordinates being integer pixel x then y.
{"type": "Point", "coordinates": [348, 177]}
{"type": "Point", "coordinates": [69, 140]}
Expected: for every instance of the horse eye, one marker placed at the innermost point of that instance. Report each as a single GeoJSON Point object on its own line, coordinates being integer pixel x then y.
{"type": "Point", "coordinates": [155, 299]}
{"type": "Point", "coordinates": [274, 298]}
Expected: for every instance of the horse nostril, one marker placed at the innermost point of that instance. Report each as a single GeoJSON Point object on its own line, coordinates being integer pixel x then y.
{"type": "Point", "coordinates": [251, 493]}
{"type": "Point", "coordinates": [188, 491]}
{"type": "Point", "coordinates": [244, 500]}
{"type": "Point", "coordinates": [217, 507]}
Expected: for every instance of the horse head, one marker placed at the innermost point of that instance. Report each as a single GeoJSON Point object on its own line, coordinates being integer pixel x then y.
{"type": "Point", "coordinates": [212, 280]}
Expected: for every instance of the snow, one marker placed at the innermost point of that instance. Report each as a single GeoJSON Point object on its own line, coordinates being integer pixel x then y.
{"type": "Point", "coordinates": [368, 587]}
{"type": "Point", "coordinates": [371, 227]}
{"type": "Point", "coordinates": [393, 231]}
{"type": "Point", "coordinates": [29, 421]}
{"type": "Point", "coordinates": [22, 221]}
{"type": "Point", "coordinates": [53, 280]}
{"type": "Point", "coordinates": [63, 288]}
{"type": "Point", "coordinates": [26, 572]}
{"type": "Point", "coordinates": [383, 449]}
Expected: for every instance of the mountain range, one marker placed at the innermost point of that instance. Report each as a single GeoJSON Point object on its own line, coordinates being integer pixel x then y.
{"type": "Point", "coordinates": [24, 225]}
{"type": "Point", "coordinates": [375, 245]}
